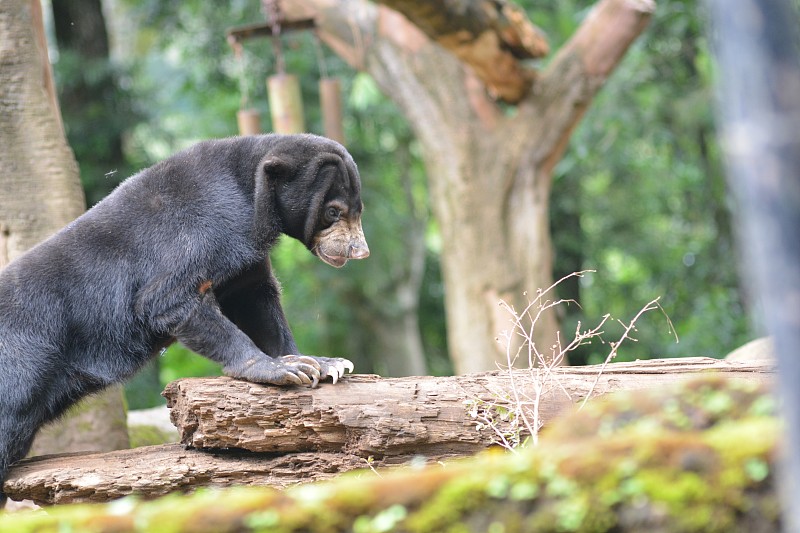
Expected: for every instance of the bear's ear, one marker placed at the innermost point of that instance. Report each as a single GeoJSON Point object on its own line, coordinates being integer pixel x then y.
{"type": "Point", "coordinates": [277, 168]}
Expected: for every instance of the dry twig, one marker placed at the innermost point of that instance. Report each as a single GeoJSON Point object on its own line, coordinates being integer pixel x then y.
{"type": "Point", "coordinates": [518, 407]}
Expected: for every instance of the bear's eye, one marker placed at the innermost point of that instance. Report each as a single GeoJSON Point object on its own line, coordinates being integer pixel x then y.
{"type": "Point", "coordinates": [332, 213]}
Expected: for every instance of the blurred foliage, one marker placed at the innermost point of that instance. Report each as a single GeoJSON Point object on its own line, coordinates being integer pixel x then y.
{"type": "Point", "coordinates": [95, 106]}
{"type": "Point", "coordinates": [95, 124]}
{"type": "Point", "coordinates": [639, 196]}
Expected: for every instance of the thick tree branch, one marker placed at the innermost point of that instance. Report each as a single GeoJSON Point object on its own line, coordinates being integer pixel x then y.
{"type": "Point", "coordinates": [489, 36]}
{"type": "Point", "coordinates": [152, 471]}
{"type": "Point", "coordinates": [605, 35]}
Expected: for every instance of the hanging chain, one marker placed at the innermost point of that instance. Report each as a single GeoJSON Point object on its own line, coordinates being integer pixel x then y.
{"type": "Point", "coordinates": [272, 10]}
{"type": "Point", "coordinates": [321, 66]}
{"type": "Point", "coordinates": [241, 61]}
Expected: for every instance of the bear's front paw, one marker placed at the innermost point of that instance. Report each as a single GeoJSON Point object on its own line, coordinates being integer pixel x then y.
{"type": "Point", "coordinates": [291, 370]}
{"type": "Point", "coordinates": [286, 370]}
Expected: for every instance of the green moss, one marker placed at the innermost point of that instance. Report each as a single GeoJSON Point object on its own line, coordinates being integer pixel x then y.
{"type": "Point", "coordinates": [672, 488]}
{"type": "Point", "coordinates": [571, 513]}
{"type": "Point", "coordinates": [383, 522]}
{"type": "Point", "coordinates": [524, 490]}
{"type": "Point", "coordinates": [444, 510]}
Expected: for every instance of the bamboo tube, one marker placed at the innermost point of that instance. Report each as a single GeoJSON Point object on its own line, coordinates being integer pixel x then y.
{"type": "Point", "coordinates": [249, 121]}
{"type": "Point", "coordinates": [330, 95]}
{"type": "Point", "coordinates": [285, 104]}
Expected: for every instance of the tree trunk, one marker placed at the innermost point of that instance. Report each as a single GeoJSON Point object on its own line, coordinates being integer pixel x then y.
{"type": "Point", "coordinates": [392, 336]}
{"type": "Point", "coordinates": [40, 192]}
{"type": "Point", "coordinates": [96, 424]}
{"type": "Point", "coordinates": [489, 171]}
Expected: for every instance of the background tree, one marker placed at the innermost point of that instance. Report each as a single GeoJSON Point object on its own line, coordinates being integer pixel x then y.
{"type": "Point", "coordinates": [39, 193]}
{"type": "Point", "coordinates": [758, 108]}
{"type": "Point", "coordinates": [490, 167]}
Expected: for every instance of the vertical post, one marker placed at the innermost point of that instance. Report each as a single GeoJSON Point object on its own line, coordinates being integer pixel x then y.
{"type": "Point", "coordinates": [759, 87]}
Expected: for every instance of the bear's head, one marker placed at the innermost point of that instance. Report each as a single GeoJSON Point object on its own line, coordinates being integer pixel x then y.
{"type": "Point", "coordinates": [317, 195]}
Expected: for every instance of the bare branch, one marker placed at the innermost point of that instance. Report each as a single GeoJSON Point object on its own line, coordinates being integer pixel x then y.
{"type": "Point", "coordinates": [650, 306]}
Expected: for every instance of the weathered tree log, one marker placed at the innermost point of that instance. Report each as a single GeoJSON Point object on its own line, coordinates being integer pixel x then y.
{"type": "Point", "coordinates": [152, 471]}
{"type": "Point", "coordinates": [313, 434]}
{"type": "Point", "coordinates": [369, 416]}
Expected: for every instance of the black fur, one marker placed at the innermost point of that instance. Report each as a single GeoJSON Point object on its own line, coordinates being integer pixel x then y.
{"type": "Point", "coordinates": [176, 252]}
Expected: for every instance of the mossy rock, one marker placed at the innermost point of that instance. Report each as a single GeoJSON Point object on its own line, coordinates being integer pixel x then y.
{"type": "Point", "coordinates": [698, 457]}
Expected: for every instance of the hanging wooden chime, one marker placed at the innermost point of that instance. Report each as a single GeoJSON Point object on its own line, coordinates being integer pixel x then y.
{"type": "Point", "coordinates": [285, 103]}
{"type": "Point", "coordinates": [330, 98]}
{"type": "Point", "coordinates": [249, 121]}
{"type": "Point", "coordinates": [283, 89]}
{"type": "Point", "coordinates": [247, 118]}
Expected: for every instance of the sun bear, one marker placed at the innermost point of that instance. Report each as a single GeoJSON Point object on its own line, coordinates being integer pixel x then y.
{"type": "Point", "coordinates": [177, 252]}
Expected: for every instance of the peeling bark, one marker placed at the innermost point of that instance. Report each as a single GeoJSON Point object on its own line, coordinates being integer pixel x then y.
{"type": "Point", "coordinates": [489, 36]}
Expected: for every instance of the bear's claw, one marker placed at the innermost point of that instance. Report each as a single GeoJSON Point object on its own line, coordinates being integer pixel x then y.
{"type": "Point", "coordinates": [335, 367]}
{"type": "Point", "coordinates": [292, 370]}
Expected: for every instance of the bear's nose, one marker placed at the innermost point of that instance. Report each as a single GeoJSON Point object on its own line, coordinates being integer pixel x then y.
{"type": "Point", "coordinates": [358, 250]}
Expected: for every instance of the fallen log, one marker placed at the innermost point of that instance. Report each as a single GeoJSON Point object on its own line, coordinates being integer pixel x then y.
{"type": "Point", "coordinates": [152, 471]}
{"type": "Point", "coordinates": [367, 415]}
{"type": "Point", "coordinates": [301, 435]}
